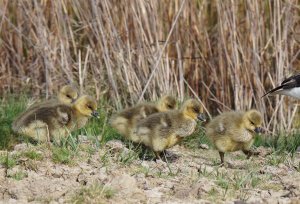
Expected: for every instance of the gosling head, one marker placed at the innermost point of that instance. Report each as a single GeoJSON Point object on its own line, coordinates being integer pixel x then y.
{"type": "Point", "coordinates": [87, 106]}
{"type": "Point", "coordinates": [166, 103]}
{"type": "Point", "coordinates": [192, 109]}
{"type": "Point", "coordinates": [252, 121]}
{"type": "Point", "coordinates": [67, 94]}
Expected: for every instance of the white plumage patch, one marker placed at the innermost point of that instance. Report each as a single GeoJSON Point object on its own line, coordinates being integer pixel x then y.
{"type": "Point", "coordinates": [143, 112]}
{"type": "Point", "coordinates": [294, 92]}
{"type": "Point", "coordinates": [143, 131]}
{"type": "Point", "coordinates": [64, 117]}
{"type": "Point", "coordinates": [164, 123]}
{"type": "Point", "coordinates": [221, 127]}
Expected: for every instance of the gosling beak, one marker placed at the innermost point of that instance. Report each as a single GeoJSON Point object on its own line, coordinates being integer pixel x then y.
{"type": "Point", "coordinates": [95, 114]}
{"type": "Point", "coordinates": [201, 117]}
{"type": "Point", "coordinates": [73, 100]}
{"type": "Point", "coordinates": [258, 130]}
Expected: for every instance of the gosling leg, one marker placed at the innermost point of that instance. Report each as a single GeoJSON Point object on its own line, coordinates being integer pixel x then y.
{"type": "Point", "coordinates": [157, 154]}
{"type": "Point", "coordinates": [222, 158]}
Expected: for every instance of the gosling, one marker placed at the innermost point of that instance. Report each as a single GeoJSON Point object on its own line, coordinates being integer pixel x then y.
{"type": "Point", "coordinates": [53, 122]}
{"type": "Point", "coordinates": [161, 131]}
{"type": "Point", "coordinates": [125, 120]}
{"type": "Point", "coordinates": [66, 95]}
{"type": "Point", "coordinates": [233, 131]}
{"type": "Point", "coordinates": [288, 87]}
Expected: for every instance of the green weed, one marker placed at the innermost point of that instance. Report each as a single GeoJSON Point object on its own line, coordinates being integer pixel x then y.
{"type": "Point", "coordinates": [8, 161]}
{"type": "Point", "coordinates": [61, 155]}
{"type": "Point", "coordinates": [19, 175]}
{"type": "Point", "coordinates": [31, 154]}
{"type": "Point", "coordinates": [93, 192]}
{"type": "Point", "coordinates": [10, 107]}
{"type": "Point", "coordinates": [197, 138]}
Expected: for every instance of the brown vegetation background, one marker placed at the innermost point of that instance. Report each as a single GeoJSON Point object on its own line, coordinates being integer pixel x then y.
{"type": "Point", "coordinates": [227, 53]}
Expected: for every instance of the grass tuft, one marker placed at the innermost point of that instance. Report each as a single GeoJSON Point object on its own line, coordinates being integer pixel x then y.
{"type": "Point", "coordinates": [61, 155]}
{"type": "Point", "coordinates": [31, 154]}
{"type": "Point", "coordinates": [8, 161]}
{"type": "Point", "coordinates": [93, 192]}
{"type": "Point", "coordinates": [197, 138]}
{"type": "Point", "coordinates": [19, 175]}
{"type": "Point", "coordinates": [9, 109]}
{"type": "Point", "coordinates": [280, 142]}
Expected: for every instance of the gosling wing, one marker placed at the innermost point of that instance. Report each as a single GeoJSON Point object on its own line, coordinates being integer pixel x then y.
{"type": "Point", "coordinates": [220, 128]}
{"type": "Point", "coordinates": [32, 109]}
{"type": "Point", "coordinates": [229, 124]}
{"type": "Point", "coordinates": [234, 127]}
{"type": "Point", "coordinates": [50, 102]}
{"type": "Point", "coordinates": [64, 116]}
{"type": "Point", "coordinates": [138, 112]}
{"type": "Point", "coordinates": [157, 122]}
{"type": "Point", "coordinates": [60, 113]}
{"type": "Point", "coordinates": [165, 126]}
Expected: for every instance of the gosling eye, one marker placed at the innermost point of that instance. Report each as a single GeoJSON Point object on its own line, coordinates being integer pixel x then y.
{"type": "Point", "coordinates": [89, 107]}
{"type": "Point", "coordinates": [196, 109]}
{"type": "Point", "coordinates": [252, 123]}
{"type": "Point", "coordinates": [170, 106]}
{"type": "Point", "coordinates": [69, 96]}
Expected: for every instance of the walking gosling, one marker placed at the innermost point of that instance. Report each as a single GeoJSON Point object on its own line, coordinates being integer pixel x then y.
{"type": "Point", "coordinates": [125, 120]}
{"type": "Point", "coordinates": [233, 131]}
{"type": "Point", "coordinates": [161, 131]}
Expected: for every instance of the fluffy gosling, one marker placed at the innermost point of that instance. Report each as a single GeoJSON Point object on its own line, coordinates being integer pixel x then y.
{"type": "Point", "coordinates": [163, 130]}
{"type": "Point", "coordinates": [53, 122]}
{"type": "Point", "coordinates": [125, 120]}
{"type": "Point", "coordinates": [66, 95]}
{"type": "Point", "coordinates": [233, 131]}
{"type": "Point", "coordinates": [289, 87]}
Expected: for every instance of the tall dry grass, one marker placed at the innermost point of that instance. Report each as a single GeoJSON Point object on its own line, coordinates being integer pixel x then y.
{"type": "Point", "coordinates": [227, 53]}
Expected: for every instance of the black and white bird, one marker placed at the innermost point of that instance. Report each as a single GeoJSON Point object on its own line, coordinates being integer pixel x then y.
{"type": "Point", "coordinates": [289, 87]}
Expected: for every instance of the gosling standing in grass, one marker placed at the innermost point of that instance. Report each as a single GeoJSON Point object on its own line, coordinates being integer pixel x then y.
{"type": "Point", "coordinates": [289, 87]}
{"type": "Point", "coordinates": [55, 121]}
{"type": "Point", "coordinates": [233, 131]}
{"type": "Point", "coordinates": [125, 120]}
{"type": "Point", "coordinates": [66, 95]}
{"type": "Point", "coordinates": [161, 131]}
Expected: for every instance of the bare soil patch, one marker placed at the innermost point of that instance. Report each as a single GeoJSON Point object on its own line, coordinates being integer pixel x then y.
{"type": "Point", "coordinates": [115, 174]}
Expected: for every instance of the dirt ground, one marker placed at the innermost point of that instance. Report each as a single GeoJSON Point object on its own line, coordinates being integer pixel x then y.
{"type": "Point", "coordinates": [115, 174]}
